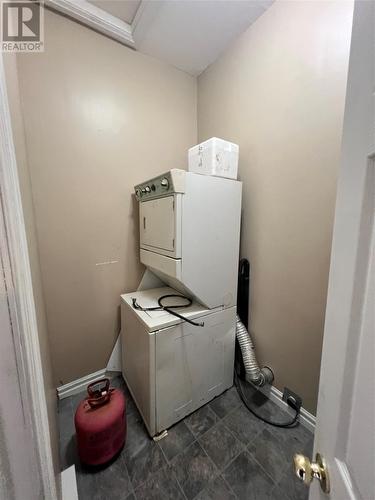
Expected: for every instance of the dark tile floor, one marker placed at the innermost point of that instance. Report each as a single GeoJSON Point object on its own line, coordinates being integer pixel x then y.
{"type": "Point", "coordinates": [219, 452]}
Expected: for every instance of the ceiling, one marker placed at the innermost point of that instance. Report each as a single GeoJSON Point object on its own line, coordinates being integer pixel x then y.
{"type": "Point", "coordinates": [123, 9]}
{"type": "Point", "coordinates": [188, 34]}
{"type": "Point", "coordinates": [191, 34]}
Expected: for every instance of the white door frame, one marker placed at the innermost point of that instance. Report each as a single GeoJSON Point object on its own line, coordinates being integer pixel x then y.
{"type": "Point", "coordinates": [22, 306]}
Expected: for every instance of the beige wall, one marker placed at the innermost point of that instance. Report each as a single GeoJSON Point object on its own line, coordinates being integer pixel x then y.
{"type": "Point", "coordinates": [279, 93]}
{"type": "Point", "coordinates": [99, 118]}
{"type": "Point", "coordinates": [28, 210]}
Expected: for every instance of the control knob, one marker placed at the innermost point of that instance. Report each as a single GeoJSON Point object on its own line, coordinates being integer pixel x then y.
{"type": "Point", "coordinates": [147, 189]}
{"type": "Point", "coordinates": [164, 183]}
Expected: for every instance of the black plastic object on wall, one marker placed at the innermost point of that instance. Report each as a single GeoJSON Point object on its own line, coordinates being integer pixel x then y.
{"type": "Point", "coordinates": [242, 309]}
{"type": "Point", "coordinates": [243, 291]}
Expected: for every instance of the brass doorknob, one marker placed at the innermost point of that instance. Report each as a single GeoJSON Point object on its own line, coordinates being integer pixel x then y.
{"type": "Point", "coordinates": [306, 471]}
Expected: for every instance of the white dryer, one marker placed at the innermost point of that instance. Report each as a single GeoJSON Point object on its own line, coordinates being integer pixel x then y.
{"type": "Point", "coordinates": [190, 234]}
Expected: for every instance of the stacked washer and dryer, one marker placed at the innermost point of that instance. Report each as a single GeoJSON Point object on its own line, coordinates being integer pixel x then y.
{"type": "Point", "coordinates": [189, 238]}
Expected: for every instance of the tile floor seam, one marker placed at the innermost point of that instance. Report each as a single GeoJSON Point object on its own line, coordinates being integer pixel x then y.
{"type": "Point", "coordinates": [251, 440]}
{"type": "Point", "coordinates": [277, 485]}
{"type": "Point", "coordinates": [230, 411]}
{"type": "Point", "coordinates": [228, 485]}
{"type": "Point", "coordinates": [127, 471]}
{"type": "Point", "coordinates": [212, 462]}
{"type": "Point", "coordinates": [235, 437]}
{"type": "Point", "coordinates": [245, 450]}
{"type": "Point", "coordinates": [279, 481]}
{"type": "Point", "coordinates": [233, 459]}
{"type": "Point", "coordinates": [162, 451]}
{"type": "Point", "coordinates": [261, 466]}
{"type": "Point", "coordinates": [233, 410]}
{"type": "Point", "coordinates": [175, 476]}
{"type": "Point", "coordinates": [196, 438]}
{"type": "Point", "coordinates": [188, 425]}
{"type": "Point", "coordinates": [239, 453]}
{"type": "Point", "coordinates": [213, 479]}
{"type": "Point", "coordinates": [187, 447]}
{"type": "Point", "coordinates": [143, 482]}
{"type": "Point", "coordinates": [205, 432]}
{"type": "Point", "coordinates": [179, 485]}
{"type": "Point", "coordinates": [257, 463]}
{"type": "Point", "coordinates": [216, 467]}
{"type": "Point", "coordinates": [182, 489]}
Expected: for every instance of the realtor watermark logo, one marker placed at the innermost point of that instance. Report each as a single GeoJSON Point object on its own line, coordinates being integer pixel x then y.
{"type": "Point", "coordinates": [22, 26]}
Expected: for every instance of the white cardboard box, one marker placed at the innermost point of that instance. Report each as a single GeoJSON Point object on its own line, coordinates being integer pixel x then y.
{"type": "Point", "coordinates": [214, 157]}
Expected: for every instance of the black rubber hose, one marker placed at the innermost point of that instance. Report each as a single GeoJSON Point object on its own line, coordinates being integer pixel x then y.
{"type": "Point", "coordinates": [275, 424]}
{"type": "Point", "coordinates": [169, 309]}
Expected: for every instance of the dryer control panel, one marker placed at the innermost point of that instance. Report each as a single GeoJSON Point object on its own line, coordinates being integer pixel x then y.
{"type": "Point", "coordinates": [166, 184]}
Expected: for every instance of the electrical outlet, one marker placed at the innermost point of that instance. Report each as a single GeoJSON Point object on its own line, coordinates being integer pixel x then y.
{"type": "Point", "coordinates": [288, 393]}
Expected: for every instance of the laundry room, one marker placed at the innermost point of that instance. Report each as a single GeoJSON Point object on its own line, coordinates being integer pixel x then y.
{"type": "Point", "coordinates": [178, 166]}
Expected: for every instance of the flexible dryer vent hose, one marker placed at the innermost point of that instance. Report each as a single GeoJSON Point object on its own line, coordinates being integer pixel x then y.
{"type": "Point", "coordinates": [254, 374]}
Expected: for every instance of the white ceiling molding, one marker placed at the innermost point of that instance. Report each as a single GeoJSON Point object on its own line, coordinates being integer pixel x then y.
{"type": "Point", "coordinates": [124, 10]}
{"type": "Point", "coordinates": [95, 18]}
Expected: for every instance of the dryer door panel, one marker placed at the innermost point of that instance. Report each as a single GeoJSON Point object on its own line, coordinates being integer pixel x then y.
{"type": "Point", "coordinates": [159, 226]}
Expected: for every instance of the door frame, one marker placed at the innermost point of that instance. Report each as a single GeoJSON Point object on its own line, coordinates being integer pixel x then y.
{"type": "Point", "coordinates": [21, 299]}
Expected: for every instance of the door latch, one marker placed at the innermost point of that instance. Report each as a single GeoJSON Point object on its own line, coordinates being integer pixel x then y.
{"type": "Point", "coordinates": [306, 471]}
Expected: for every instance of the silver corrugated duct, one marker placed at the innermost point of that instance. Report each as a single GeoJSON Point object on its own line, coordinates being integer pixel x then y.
{"type": "Point", "coordinates": [254, 374]}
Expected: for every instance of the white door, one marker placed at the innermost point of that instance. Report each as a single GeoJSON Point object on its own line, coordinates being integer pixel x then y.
{"type": "Point", "coordinates": [345, 433]}
{"type": "Point", "coordinates": [157, 221]}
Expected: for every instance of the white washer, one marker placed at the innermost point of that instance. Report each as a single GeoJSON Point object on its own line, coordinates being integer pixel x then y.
{"type": "Point", "coordinates": [172, 367]}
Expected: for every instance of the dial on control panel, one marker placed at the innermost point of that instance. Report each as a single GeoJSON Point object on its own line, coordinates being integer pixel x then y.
{"type": "Point", "coordinates": [152, 188]}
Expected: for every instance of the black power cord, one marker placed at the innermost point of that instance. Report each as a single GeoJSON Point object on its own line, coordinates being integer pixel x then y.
{"type": "Point", "coordinates": [170, 308]}
{"type": "Point", "coordinates": [291, 402]}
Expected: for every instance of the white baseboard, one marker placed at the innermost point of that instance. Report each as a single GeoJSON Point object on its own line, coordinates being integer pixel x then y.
{"type": "Point", "coordinates": [79, 385]}
{"type": "Point", "coordinates": [307, 419]}
{"type": "Point", "coordinates": [69, 484]}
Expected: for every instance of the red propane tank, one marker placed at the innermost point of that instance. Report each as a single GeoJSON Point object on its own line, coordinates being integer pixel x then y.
{"type": "Point", "coordinates": [100, 422]}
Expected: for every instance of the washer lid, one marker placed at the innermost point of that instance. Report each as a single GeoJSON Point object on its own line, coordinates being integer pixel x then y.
{"type": "Point", "coordinates": [156, 320]}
